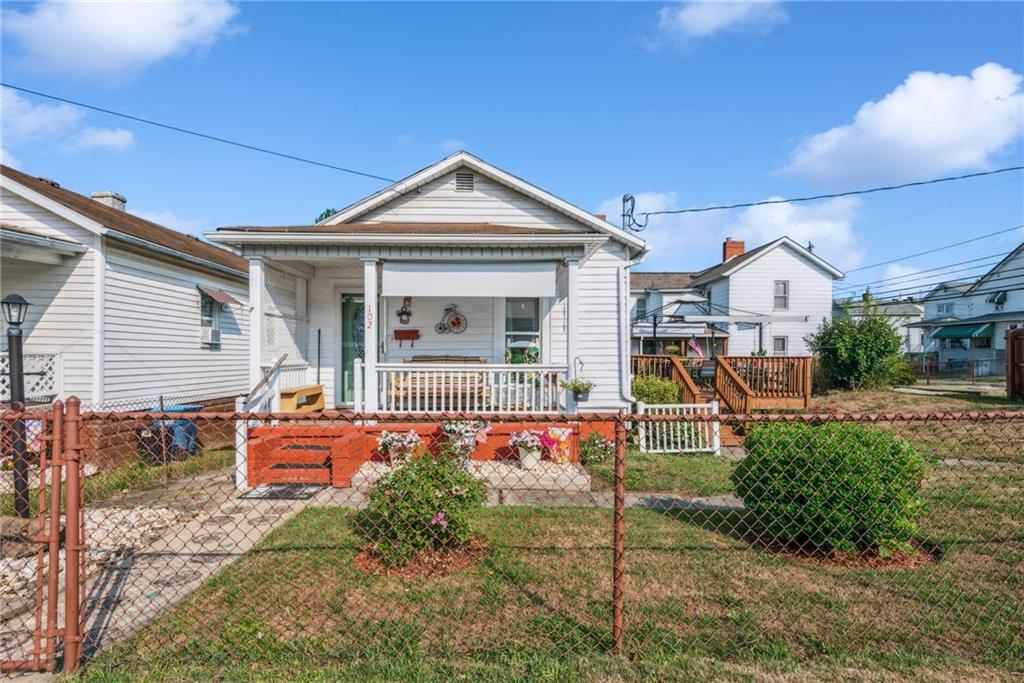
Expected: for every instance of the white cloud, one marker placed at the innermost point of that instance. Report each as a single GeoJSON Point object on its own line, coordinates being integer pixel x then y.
{"type": "Point", "coordinates": [24, 121]}
{"type": "Point", "coordinates": [103, 138]}
{"type": "Point", "coordinates": [692, 21]}
{"type": "Point", "coordinates": [932, 123]}
{"type": "Point", "coordinates": [693, 241]}
{"type": "Point", "coordinates": [8, 159]}
{"type": "Point", "coordinates": [450, 145]}
{"type": "Point", "coordinates": [115, 40]}
{"type": "Point", "coordinates": [171, 220]}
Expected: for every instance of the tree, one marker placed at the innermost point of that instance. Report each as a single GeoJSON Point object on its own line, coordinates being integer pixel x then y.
{"type": "Point", "coordinates": [859, 353]}
{"type": "Point", "coordinates": [326, 213]}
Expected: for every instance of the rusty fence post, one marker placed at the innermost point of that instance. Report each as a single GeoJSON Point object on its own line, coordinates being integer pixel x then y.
{"type": "Point", "coordinates": [53, 577]}
{"type": "Point", "coordinates": [619, 534]}
{"type": "Point", "coordinates": [72, 536]}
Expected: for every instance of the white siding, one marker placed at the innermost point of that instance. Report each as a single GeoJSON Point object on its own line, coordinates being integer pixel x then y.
{"type": "Point", "coordinates": [490, 202]}
{"type": "Point", "coordinates": [599, 336]}
{"type": "Point", "coordinates": [477, 340]}
{"type": "Point", "coordinates": [60, 319]}
{"type": "Point", "coordinates": [751, 289]}
{"type": "Point", "coordinates": [153, 331]}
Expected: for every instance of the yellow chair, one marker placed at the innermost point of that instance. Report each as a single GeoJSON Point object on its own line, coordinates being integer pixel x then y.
{"type": "Point", "coordinates": [307, 399]}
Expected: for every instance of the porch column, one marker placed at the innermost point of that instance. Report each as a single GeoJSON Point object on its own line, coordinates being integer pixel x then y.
{"type": "Point", "coordinates": [572, 324]}
{"type": "Point", "coordinates": [257, 324]}
{"type": "Point", "coordinates": [370, 342]}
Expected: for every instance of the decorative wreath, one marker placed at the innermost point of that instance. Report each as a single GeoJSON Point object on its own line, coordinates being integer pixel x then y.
{"type": "Point", "coordinates": [452, 321]}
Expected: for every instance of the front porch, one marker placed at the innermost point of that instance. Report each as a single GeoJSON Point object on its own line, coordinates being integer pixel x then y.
{"type": "Point", "coordinates": [404, 336]}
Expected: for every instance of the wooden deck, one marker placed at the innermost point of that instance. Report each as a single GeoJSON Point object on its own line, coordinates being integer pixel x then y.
{"type": "Point", "coordinates": [742, 384]}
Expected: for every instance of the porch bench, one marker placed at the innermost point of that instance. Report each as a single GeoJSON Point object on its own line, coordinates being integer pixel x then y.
{"type": "Point", "coordinates": [462, 390]}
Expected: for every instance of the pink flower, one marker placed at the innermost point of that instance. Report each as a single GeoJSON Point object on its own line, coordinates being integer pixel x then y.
{"type": "Point", "coordinates": [547, 441]}
{"type": "Point", "coordinates": [439, 520]}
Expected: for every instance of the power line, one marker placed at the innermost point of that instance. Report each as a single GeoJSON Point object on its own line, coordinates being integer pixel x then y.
{"type": "Point", "coordinates": [849, 193]}
{"type": "Point", "coordinates": [991, 286]}
{"type": "Point", "coordinates": [932, 251]}
{"type": "Point", "coordinates": [950, 267]}
{"type": "Point", "coordinates": [205, 136]}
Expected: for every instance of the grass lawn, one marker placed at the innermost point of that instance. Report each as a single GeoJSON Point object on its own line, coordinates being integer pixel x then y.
{"type": "Point", "coordinates": [700, 604]}
{"type": "Point", "coordinates": [894, 401]}
{"type": "Point", "coordinates": [688, 474]}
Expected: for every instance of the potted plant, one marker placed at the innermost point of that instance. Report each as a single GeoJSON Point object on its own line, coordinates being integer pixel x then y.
{"type": "Point", "coordinates": [579, 387]}
{"type": "Point", "coordinates": [672, 349]}
{"type": "Point", "coordinates": [398, 447]}
{"type": "Point", "coordinates": [528, 444]}
{"type": "Point", "coordinates": [463, 436]}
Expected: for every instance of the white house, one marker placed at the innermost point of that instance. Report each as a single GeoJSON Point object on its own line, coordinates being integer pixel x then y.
{"type": "Point", "coordinates": [460, 287]}
{"type": "Point", "coordinates": [769, 298]}
{"type": "Point", "coordinates": [123, 310]}
{"type": "Point", "coordinates": [967, 321]}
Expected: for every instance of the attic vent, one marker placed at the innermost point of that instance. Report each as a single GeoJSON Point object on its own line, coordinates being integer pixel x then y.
{"type": "Point", "coordinates": [464, 182]}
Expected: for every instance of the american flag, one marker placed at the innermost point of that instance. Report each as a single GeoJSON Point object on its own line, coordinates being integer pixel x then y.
{"type": "Point", "coordinates": [695, 347]}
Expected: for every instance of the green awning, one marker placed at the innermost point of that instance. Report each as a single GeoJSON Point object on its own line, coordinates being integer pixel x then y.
{"type": "Point", "coordinates": [996, 298]}
{"type": "Point", "coordinates": [963, 331]}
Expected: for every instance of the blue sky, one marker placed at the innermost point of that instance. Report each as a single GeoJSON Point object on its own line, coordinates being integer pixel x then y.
{"type": "Point", "coordinates": [682, 105]}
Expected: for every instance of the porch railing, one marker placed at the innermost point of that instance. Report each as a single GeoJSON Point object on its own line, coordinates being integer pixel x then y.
{"type": "Point", "coordinates": [430, 388]}
{"type": "Point", "coordinates": [43, 376]}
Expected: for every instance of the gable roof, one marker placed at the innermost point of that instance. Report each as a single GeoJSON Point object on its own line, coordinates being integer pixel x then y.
{"type": "Point", "coordinates": [1006, 259]}
{"type": "Point", "coordinates": [145, 233]}
{"type": "Point", "coordinates": [960, 286]}
{"type": "Point", "coordinates": [408, 228]}
{"type": "Point", "coordinates": [732, 265]}
{"type": "Point", "coordinates": [667, 281]}
{"type": "Point", "coordinates": [464, 159]}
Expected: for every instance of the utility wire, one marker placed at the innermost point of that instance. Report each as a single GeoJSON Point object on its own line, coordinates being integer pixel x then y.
{"type": "Point", "coordinates": [950, 267]}
{"type": "Point", "coordinates": [205, 136]}
{"type": "Point", "coordinates": [849, 193]}
{"type": "Point", "coordinates": [997, 284]}
{"type": "Point", "coordinates": [932, 251]}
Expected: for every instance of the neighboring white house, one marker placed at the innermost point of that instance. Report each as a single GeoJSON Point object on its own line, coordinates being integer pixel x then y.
{"type": "Point", "coordinates": [123, 310]}
{"type": "Point", "coordinates": [769, 298]}
{"type": "Point", "coordinates": [460, 287]}
{"type": "Point", "coordinates": [968, 321]}
{"type": "Point", "coordinates": [902, 314]}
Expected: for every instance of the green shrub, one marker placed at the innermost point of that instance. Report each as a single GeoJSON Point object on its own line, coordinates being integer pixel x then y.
{"type": "Point", "coordinates": [655, 390]}
{"type": "Point", "coordinates": [425, 504]}
{"type": "Point", "coordinates": [858, 353]}
{"type": "Point", "coordinates": [830, 487]}
{"type": "Point", "coordinates": [596, 449]}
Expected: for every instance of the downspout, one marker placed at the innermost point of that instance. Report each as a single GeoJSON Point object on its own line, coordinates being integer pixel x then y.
{"type": "Point", "coordinates": [625, 330]}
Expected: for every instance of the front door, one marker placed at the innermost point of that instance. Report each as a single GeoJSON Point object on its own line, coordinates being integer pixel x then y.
{"type": "Point", "coordinates": [352, 334]}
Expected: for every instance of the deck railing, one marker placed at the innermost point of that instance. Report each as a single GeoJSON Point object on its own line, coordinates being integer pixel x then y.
{"type": "Point", "coordinates": [686, 372]}
{"type": "Point", "coordinates": [430, 388]}
{"type": "Point", "coordinates": [782, 377]}
{"type": "Point", "coordinates": [731, 388]}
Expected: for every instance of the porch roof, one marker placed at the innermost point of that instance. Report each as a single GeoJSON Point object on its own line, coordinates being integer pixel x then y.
{"type": "Point", "coordinates": [404, 229]}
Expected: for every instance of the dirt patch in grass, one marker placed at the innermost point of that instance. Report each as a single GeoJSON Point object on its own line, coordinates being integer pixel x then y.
{"type": "Point", "coordinates": [912, 558]}
{"type": "Point", "coordinates": [434, 562]}
{"type": "Point", "coordinates": [894, 401]}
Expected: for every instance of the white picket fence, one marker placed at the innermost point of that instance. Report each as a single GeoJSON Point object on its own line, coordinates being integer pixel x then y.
{"type": "Point", "coordinates": [680, 436]}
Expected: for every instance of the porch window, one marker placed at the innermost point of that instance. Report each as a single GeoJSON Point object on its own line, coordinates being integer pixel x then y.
{"type": "Point", "coordinates": [522, 330]}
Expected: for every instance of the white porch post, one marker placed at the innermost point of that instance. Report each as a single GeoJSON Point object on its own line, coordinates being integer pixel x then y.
{"type": "Point", "coordinates": [257, 323]}
{"type": "Point", "coordinates": [572, 324]}
{"type": "Point", "coordinates": [370, 342]}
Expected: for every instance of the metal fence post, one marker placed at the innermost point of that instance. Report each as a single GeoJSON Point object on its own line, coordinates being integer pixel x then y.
{"type": "Point", "coordinates": [72, 536]}
{"type": "Point", "coordinates": [53, 575]}
{"type": "Point", "coordinates": [619, 533]}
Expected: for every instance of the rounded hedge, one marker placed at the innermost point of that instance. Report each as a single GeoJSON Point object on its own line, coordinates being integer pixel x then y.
{"type": "Point", "coordinates": [655, 390]}
{"type": "Point", "coordinates": [425, 504]}
{"type": "Point", "coordinates": [846, 487]}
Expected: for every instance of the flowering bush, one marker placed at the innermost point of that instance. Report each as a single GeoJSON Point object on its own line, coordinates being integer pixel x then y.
{"type": "Point", "coordinates": [463, 435]}
{"type": "Point", "coordinates": [425, 505]}
{"type": "Point", "coordinates": [398, 447]}
{"type": "Point", "coordinates": [596, 449]}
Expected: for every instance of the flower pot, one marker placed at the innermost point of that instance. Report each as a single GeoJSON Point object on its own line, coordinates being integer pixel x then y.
{"type": "Point", "coordinates": [529, 458]}
{"type": "Point", "coordinates": [581, 395]}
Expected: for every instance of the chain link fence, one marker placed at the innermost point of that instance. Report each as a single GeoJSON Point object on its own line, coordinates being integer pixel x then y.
{"type": "Point", "coordinates": [387, 546]}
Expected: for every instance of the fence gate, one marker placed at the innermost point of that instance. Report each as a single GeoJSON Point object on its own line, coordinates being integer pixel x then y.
{"type": "Point", "coordinates": [679, 436]}
{"type": "Point", "coordinates": [1015, 363]}
{"type": "Point", "coordinates": [32, 546]}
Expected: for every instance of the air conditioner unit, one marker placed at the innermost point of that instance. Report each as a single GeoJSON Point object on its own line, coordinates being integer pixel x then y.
{"type": "Point", "coordinates": [211, 337]}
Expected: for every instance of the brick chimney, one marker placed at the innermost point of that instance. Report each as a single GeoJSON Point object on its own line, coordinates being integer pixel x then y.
{"type": "Point", "coordinates": [732, 248]}
{"type": "Point", "coordinates": [601, 216]}
{"type": "Point", "coordinates": [114, 200]}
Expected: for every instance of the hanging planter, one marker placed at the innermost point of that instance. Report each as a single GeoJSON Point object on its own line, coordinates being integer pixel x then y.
{"type": "Point", "coordinates": [579, 387]}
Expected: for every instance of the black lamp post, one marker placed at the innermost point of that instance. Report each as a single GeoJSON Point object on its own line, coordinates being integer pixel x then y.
{"type": "Point", "coordinates": [15, 308]}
